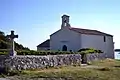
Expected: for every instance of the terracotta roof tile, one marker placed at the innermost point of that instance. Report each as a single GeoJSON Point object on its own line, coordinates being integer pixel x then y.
{"type": "Point", "coordinates": [88, 31]}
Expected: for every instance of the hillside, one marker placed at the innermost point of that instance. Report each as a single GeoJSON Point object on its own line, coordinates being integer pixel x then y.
{"type": "Point", "coordinates": [5, 43]}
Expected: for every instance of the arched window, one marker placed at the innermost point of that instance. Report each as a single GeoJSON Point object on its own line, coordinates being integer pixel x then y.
{"type": "Point", "coordinates": [64, 48]}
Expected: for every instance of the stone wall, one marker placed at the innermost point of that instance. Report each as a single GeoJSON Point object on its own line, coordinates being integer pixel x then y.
{"type": "Point", "coordinates": [92, 57]}
{"type": "Point", "coordinates": [34, 62]}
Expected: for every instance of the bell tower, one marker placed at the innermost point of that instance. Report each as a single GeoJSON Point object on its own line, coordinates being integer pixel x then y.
{"type": "Point", "coordinates": [65, 21]}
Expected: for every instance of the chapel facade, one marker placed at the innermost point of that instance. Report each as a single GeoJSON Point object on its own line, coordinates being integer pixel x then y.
{"type": "Point", "coordinates": [69, 38]}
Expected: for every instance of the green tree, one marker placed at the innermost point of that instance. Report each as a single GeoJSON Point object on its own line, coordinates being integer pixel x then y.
{"type": "Point", "coordinates": [5, 43]}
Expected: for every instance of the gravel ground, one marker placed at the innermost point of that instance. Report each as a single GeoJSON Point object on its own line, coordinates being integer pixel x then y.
{"type": "Point", "coordinates": [4, 79]}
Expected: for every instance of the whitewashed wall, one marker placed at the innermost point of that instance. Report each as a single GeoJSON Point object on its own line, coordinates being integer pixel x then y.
{"type": "Point", "coordinates": [97, 42]}
{"type": "Point", "coordinates": [73, 40]}
{"type": "Point", "coordinates": [93, 41]}
{"type": "Point", "coordinates": [110, 47]}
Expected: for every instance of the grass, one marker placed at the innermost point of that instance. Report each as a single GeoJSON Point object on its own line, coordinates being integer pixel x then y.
{"type": "Point", "coordinates": [108, 69]}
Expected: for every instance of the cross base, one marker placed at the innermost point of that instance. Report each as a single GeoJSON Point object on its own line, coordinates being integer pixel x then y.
{"type": "Point", "coordinates": [12, 53]}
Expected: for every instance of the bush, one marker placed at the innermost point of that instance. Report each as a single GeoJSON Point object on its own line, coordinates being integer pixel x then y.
{"type": "Point", "coordinates": [32, 52]}
{"type": "Point", "coordinates": [4, 51]}
{"type": "Point", "coordinates": [89, 50]}
{"type": "Point", "coordinates": [85, 51]}
{"type": "Point", "coordinates": [49, 52]}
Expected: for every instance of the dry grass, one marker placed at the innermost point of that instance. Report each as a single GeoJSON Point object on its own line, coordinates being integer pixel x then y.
{"type": "Point", "coordinates": [99, 70]}
{"type": "Point", "coordinates": [107, 63]}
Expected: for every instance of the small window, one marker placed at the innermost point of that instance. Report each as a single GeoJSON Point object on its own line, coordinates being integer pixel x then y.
{"type": "Point", "coordinates": [65, 24]}
{"type": "Point", "coordinates": [104, 39]}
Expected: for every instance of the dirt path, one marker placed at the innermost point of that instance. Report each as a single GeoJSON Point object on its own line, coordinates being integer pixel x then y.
{"type": "Point", "coordinates": [89, 66]}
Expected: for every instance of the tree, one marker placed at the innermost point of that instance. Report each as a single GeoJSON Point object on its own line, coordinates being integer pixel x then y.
{"type": "Point", "coordinates": [2, 33]}
{"type": "Point", "coordinates": [2, 36]}
{"type": "Point", "coordinates": [5, 43]}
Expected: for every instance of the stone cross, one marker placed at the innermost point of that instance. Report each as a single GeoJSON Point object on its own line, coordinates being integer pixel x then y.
{"type": "Point", "coordinates": [12, 50]}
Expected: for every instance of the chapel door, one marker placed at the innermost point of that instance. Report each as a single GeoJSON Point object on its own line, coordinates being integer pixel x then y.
{"type": "Point", "coordinates": [64, 48]}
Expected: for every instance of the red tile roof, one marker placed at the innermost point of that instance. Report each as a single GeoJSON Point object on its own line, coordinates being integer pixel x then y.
{"type": "Point", "coordinates": [89, 32]}
{"type": "Point", "coordinates": [86, 31]}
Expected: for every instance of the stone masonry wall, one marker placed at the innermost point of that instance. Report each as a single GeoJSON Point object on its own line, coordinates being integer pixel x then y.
{"type": "Point", "coordinates": [34, 62]}
{"type": "Point", "coordinates": [91, 57]}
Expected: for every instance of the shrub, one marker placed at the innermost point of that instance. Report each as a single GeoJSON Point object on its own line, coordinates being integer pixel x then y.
{"type": "Point", "coordinates": [3, 51]}
{"type": "Point", "coordinates": [89, 50]}
{"type": "Point", "coordinates": [32, 52]}
{"type": "Point", "coordinates": [85, 51]}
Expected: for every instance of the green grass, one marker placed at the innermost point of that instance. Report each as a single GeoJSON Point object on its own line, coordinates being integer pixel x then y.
{"type": "Point", "coordinates": [99, 70]}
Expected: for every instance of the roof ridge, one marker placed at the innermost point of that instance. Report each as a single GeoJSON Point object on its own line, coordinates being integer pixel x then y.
{"type": "Point", "coordinates": [83, 28]}
{"type": "Point", "coordinates": [89, 31]}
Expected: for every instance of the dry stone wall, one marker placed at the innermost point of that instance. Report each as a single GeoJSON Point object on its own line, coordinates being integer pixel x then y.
{"type": "Point", "coordinates": [34, 62]}
{"type": "Point", "coordinates": [92, 57]}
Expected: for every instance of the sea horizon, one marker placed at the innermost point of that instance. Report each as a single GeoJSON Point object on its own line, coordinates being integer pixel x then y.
{"type": "Point", "coordinates": [117, 55]}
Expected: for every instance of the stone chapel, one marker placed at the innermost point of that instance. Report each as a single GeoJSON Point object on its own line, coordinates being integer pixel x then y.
{"type": "Point", "coordinates": [71, 38]}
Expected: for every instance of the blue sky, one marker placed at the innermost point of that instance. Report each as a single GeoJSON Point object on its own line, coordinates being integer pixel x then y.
{"type": "Point", "coordinates": [35, 20]}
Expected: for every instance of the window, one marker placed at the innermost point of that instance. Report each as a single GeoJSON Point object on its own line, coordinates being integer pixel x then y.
{"type": "Point", "coordinates": [104, 39]}
{"type": "Point", "coordinates": [65, 24]}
